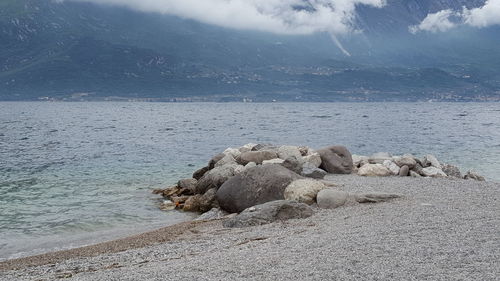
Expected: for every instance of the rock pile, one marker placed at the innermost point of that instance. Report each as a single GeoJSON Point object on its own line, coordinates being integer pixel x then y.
{"type": "Point", "coordinates": [246, 179]}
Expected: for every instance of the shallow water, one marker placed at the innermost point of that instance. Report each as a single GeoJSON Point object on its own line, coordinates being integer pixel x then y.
{"type": "Point", "coordinates": [86, 170]}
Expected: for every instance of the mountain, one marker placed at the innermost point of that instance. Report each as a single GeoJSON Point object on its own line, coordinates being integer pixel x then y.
{"type": "Point", "coordinates": [75, 51]}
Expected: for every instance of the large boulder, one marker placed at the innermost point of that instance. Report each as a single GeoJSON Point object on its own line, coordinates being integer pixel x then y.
{"type": "Point", "coordinates": [431, 160]}
{"type": "Point", "coordinates": [404, 171]}
{"type": "Point", "coordinates": [214, 160]}
{"type": "Point", "coordinates": [405, 160]}
{"type": "Point", "coordinates": [304, 190]}
{"type": "Point", "coordinates": [201, 203]}
{"type": "Point", "coordinates": [198, 174]}
{"type": "Point", "coordinates": [433, 172]}
{"type": "Point", "coordinates": [215, 178]}
{"type": "Point", "coordinates": [310, 171]}
{"type": "Point", "coordinates": [313, 159]}
{"type": "Point", "coordinates": [336, 160]}
{"type": "Point", "coordinates": [451, 171]}
{"type": "Point", "coordinates": [287, 151]}
{"type": "Point", "coordinates": [392, 167]}
{"type": "Point", "coordinates": [374, 170]}
{"type": "Point", "coordinates": [293, 164]}
{"type": "Point", "coordinates": [256, 156]}
{"type": "Point", "coordinates": [188, 185]}
{"type": "Point", "coordinates": [331, 199]}
{"type": "Point", "coordinates": [228, 159]}
{"type": "Point", "coordinates": [269, 212]}
{"type": "Point", "coordinates": [255, 186]}
{"type": "Point", "coordinates": [233, 152]}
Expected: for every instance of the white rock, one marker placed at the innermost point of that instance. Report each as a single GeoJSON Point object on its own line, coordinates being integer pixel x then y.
{"type": "Point", "coordinates": [233, 152]}
{"type": "Point", "coordinates": [433, 172]}
{"type": "Point", "coordinates": [414, 174]}
{"type": "Point", "coordinates": [331, 199]}
{"type": "Point", "coordinates": [273, 161]}
{"type": "Point", "coordinates": [392, 167]}
{"type": "Point", "coordinates": [287, 151]}
{"type": "Point", "coordinates": [250, 165]}
{"type": "Point", "coordinates": [374, 170]}
{"type": "Point", "coordinates": [431, 160]}
{"type": "Point", "coordinates": [304, 190]}
{"type": "Point", "coordinates": [313, 159]}
{"type": "Point", "coordinates": [359, 160]}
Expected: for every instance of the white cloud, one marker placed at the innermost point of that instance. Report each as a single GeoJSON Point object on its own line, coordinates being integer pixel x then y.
{"type": "Point", "coordinates": [485, 16]}
{"type": "Point", "coordinates": [277, 16]}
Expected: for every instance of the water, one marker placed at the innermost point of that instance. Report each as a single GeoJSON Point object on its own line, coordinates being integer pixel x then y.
{"type": "Point", "coordinates": [78, 173]}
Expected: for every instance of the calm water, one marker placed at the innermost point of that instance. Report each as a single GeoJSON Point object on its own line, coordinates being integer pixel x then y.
{"type": "Point", "coordinates": [83, 172]}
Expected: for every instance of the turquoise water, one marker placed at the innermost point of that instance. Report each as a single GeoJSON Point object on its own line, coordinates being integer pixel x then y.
{"type": "Point", "coordinates": [83, 169]}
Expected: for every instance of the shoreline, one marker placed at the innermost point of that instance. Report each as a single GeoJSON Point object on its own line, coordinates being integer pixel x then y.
{"type": "Point", "coordinates": [447, 225]}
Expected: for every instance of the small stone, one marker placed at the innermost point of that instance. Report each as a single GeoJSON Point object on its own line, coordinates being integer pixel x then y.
{"type": "Point", "coordinates": [405, 161]}
{"type": "Point", "coordinates": [414, 174]}
{"type": "Point", "coordinates": [452, 171]}
{"type": "Point", "coordinates": [473, 176]}
{"type": "Point", "coordinates": [168, 206]}
{"type": "Point", "coordinates": [359, 160]}
{"type": "Point", "coordinates": [404, 171]}
{"type": "Point", "coordinates": [331, 199]}
{"type": "Point", "coordinates": [310, 171]}
{"type": "Point", "coordinates": [213, 214]}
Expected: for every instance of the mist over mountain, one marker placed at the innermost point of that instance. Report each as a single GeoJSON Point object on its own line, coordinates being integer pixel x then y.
{"type": "Point", "coordinates": [79, 50]}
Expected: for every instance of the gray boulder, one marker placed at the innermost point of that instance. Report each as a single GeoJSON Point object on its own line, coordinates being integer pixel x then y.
{"type": "Point", "coordinates": [287, 151]}
{"type": "Point", "coordinates": [404, 171]}
{"type": "Point", "coordinates": [201, 203]}
{"type": "Point", "coordinates": [405, 161]}
{"type": "Point", "coordinates": [452, 171]}
{"type": "Point", "coordinates": [430, 160]}
{"type": "Point", "coordinates": [270, 212]}
{"type": "Point", "coordinates": [214, 160]}
{"type": "Point", "coordinates": [293, 164]}
{"type": "Point", "coordinates": [414, 174]}
{"type": "Point", "coordinates": [313, 159]}
{"type": "Point", "coordinates": [310, 171]}
{"type": "Point", "coordinates": [198, 174]}
{"type": "Point", "coordinates": [228, 159]}
{"type": "Point", "coordinates": [215, 178]}
{"type": "Point", "coordinates": [189, 185]}
{"type": "Point", "coordinates": [256, 156]}
{"type": "Point", "coordinates": [304, 190]}
{"type": "Point", "coordinates": [255, 186]}
{"type": "Point", "coordinates": [331, 199]}
{"type": "Point", "coordinates": [336, 160]}
{"type": "Point", "coordinates": [359, 160]}
{"type": "Point", "coordinates": [473, 176]}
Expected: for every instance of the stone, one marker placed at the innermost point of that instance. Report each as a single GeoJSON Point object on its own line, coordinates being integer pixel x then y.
{"type": "Point", "coordinates": [470, 175]}
{"type": "Point", "coordinates": [260, 147]}
{"type": "Point", "coordinates": [313, 159]}
{"type": "Point", "coordinates": [228, 159]}
{"type": "Point", "coordinates": [168, 206]}
{"type": "Point", "coordinates": [310, 171]}
{"type": "Point", "coordinates": [374, 170]}
{"type": "Point", "coordinates": [331, 199]}
{"type": "Point", "coordinates": [188, 184]}
{"type": "Point", "coordinates": [250, 165]}
{"type": "Point", "coordinates": [336, 160]}
{"type": "Point", "coordinates": [414, 174]}
{"type": "Point", "coordinates": [379, 157]}
{"type": "Point", "coordinates": [213, 214]}
{"type": "Point", "coordinates": [304, 150]}
{"type": "Point", "coordinates": [256, 156]}
{"type": "Point", "coordinates": [359, 160]}
{"type": "Point", "coordinates": [418, 169]}
{"type": "Point", "coordinates": [287, 151]}
{"type": "Point", "coordinates": [269, 212]}
{"type": "Point", "coordinates": [405, 161]}
{"type": "Point", "coordinates": [200, 203]}
{"type": "Point", "coordinates": [215, 178]}
{"type": "Point", "coordinates": [255, 186]}
{"type": "Point", "coordinates": [214, 160]}
{"type": "Point", "coordinates": [239, 169]}
{"type": "Point", "coordinates": [235, 153]}
{"type": "Point", "coordinates": [431, 160]}
{"type": "Point", "coordinates": [293, 164]}
{"type": "Point", "coordinates": [200, 172]}
{"type": "Point", "coordinates": [179, 200]}
{"type": "Point", "coordinates": [452, 171]}
{"type": "Point", "coordinates": [392, 167]}
{"type": "Point", "coordinates": [272, 161]}
{"type": "Point", "coordinates": [375, 197]}
{"type": "Point", "coordinates": [171, 191]}
{"type": "Point", "coordinates": [433, 172]}
{"type": "Point", "coordinates": [404, 171]}
{"type": "Point", "coordinates": [303, 190]}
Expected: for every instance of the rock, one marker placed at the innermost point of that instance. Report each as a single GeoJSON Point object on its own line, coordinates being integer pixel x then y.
{"type": "Point", "coordinates": [214, 160]}
{"type": "Point", "coordinates": [260, 147]}
{"type": "Point", "coordinates": [270, 212]}
{"type": "Point", "coordinates": [392, 167]}
{"type": "Point", "coordinates": [171, 191]}
{"type": "Point", "coordinates": [179, 200]}
{"type": "Point", "coordinates": [192, 203]}
{"type": "Point", "coordinates": [255, 186]}
{"type": "Point", "coordinates": [414, 174]}
{"type": "Point", "coordinates": [304, 190]}
{"type": "Point", "coordinates": [331, 199]}
{"type": "Point", "coordinates": [168, 206]}
{"type": "Point", "coordinates": [379, 157]}
{"type": "Point", "coordinates": [213, 214]}
{"type": "Point", "coordinates": [405, 161]}
{"type": "Point", "coordinates": [293, 164]}
{"type": "Point", "coordinates": [451, 171]}
{"type": "Point", "coordinates": [359, 161]}
{"type": "Point", "coordinates": [188, 184]}
{"type": "Point", "coordinates": [233, 152]}
{"type": "Point", "coordinates": [200, 172]}
{"type": "Point", "coordinates": [247, 147]}
{"type": "Point", "coordinates": [433, 172]}
{"type": "Point", "coordinates": [310, 171]}
{"type": "Point", "coordinates": [314, 159]}
{"type": "Point", "coordinates": [215, 178]}
{"type": "Point", "coordinates": [336, 160]}
{"type": "Point", "coordinates": [272, 161]}
{"type": "Point", "coordinates": [228, 159]}
{"type": "Point", "coordinates": [256, 156]}
{"type": "Point", "coordinates": [431, 160]}
{"type": "Point", "coordinates": [404, 171]}
{"type": "Point", "coordinates": [473, 176]}
{"type": "Point", "coordinates": [375, 197]}
{"type": "Point", "coordinates": [304, 150]}
{"type": "Point", "coordinates": [287, 151]}
{"type": "Point", "coordinates": [200, 203]}
{"type": "Point", "coordinates": [418, 169]}
{"type": "Point", "coordinates": [250, 165]}
{"type": "Point", "coordinates": [374, 170]}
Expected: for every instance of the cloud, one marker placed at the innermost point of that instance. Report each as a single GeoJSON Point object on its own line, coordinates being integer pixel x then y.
{"type": "Point", "coordinates": [277, 16]}
{"type": "Point", "coordinates": [485, 16]}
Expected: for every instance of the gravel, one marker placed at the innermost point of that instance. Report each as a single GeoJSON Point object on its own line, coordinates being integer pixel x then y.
{"type": "Point", "coordinates": [442, 229]}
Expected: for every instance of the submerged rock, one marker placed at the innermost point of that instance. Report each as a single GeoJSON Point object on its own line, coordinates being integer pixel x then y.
{"type": "Point", "coordinates": [255, 186]}
{"type": "Point", "coordinates": [336, 160]}
{"type": "Point", "coordinates": [303, 190]}
{"type": "Point", "coordinates": [270, 212]}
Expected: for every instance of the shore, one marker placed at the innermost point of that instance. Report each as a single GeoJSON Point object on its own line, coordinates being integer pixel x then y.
{"type": "Point", "coordinates": [442, 229]}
